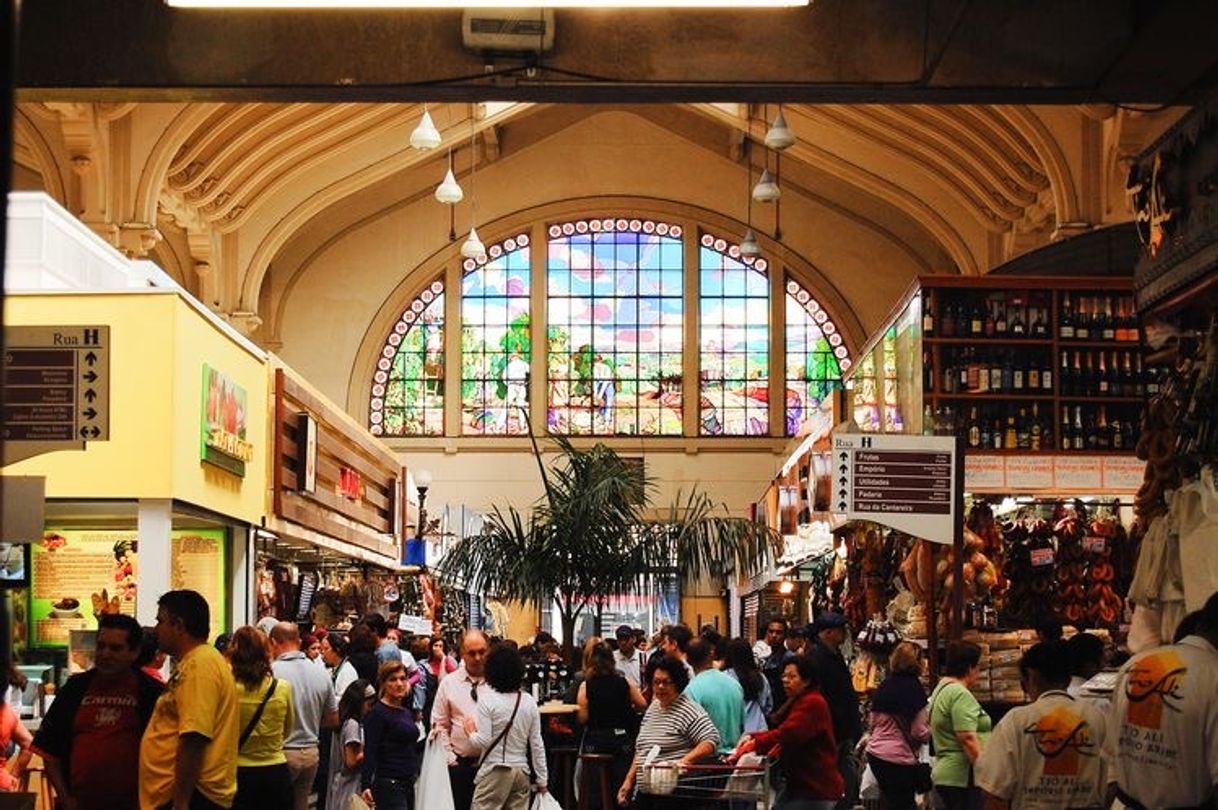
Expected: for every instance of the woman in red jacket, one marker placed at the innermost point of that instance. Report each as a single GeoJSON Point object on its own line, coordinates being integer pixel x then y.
{"type": "Point", "coordinates": [807, 751]}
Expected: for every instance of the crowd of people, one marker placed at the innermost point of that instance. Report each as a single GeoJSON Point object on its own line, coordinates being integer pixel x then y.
{"type": "Point", "coordinates": [272, 719]}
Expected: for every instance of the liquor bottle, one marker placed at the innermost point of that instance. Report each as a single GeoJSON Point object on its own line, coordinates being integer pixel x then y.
{"type": "Point", "coordinates": [1087, 379]}
{"type": "Point", "coordinates": [1129, 385]}
{"type": "Point", "coordinates": [1116, 385]}
{"type": "Point", "coordinates": [928, 314]}
{"type": "Point", "coordinates": [1019, 327]}
{"type": "Point", "coordinates": [949, 321]}
{"type": "Point", "coordinates": [1117, 433]}
{"type": "Point", "coordinates": [1082, 323]}
{"type": "Point", "coordinates": [963, 369]}
{"type": "Point", "coordinates": [1067, 379]}
{"type": "Point", "coordinates": [1102, 437]}
{"type": "Point", "coordinates": [976, 324]}
{"type": "Point", "coordinates": [986, 438]}
{"type": "Point", "coordinates": [1010, 436]}
{"type": "Point", "coordinates": [1065, 327]}
{"type": "Point", "coordinates": [1066, 432]}
{"type": "Point", "coordinates": [1023, 431]}
{"type": "Point", "coordinates": [1101, 380]}
{"type": "Point", "coordinates": [1122, 321]}
{"type": "Point", "coordinates": [1078, 437]}
{"type": "Point", "coordinates": [1107, 330]}
{"type": "Point", "coordinates": [1017, 376]}
{"type": "Point", "coordinates": [996, 376]}
{"type": "Point", "coordinates": [1046, 373]}
{"type": "Point", "coordinates": [1008, 374]}
{"type": "Point", "coordinates": [1039, 327]}
{"type": "Point", "coordinates": [1002, 315]}
{"type": "Point", "coordinates": [928, 420]}
{"type": "Point", "coordinates": [1034, 374]}
{"type": "Point", "coordinates": [1036, 430]}
{"type": "Point", "coordinates": [974, 429]}
{"type": "Point", "coordinates": [996, 433]}
{"type": "Point", "coordinates": [951, 380]}
{"type": "Point", "coordinates": [928, 373]}
{"type": "Point", "coordinates": [989, 328]}
{"type": "Point", "coordinates": [1129, 436]}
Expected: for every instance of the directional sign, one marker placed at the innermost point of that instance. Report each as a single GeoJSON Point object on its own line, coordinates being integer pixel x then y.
{"type": "Point", "coordinates": [56, 384]}
{"type": "Point", "coordinates": [906, 482]}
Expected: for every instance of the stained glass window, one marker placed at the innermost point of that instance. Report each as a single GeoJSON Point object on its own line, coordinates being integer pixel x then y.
{"type": "Point", "coordinates": [408, 384]}
{"type": "Point", "coordinates": [734, 333]}
{"type": "Point", "coordinates": [615, 337]}
{"type": "Point", "coordinates": [495, 340]}
{"type": "Point", "coordinates": [816, 357]}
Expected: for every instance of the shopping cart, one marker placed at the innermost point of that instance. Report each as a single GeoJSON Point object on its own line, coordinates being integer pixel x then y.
{"type": "Point", "coordinates": [743, 784]}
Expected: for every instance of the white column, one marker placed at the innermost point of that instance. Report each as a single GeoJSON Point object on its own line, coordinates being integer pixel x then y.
{"type": "Point", "coordinates": [241, 578]}
{"type": "Point", "coordinates": [154, 523]}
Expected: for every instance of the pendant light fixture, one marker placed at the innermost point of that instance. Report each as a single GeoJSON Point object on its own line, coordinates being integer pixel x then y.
{"type": "Point", "coordinates": [749, 248]}
{"type": "Point", "coordinates": [780, 136]}
{"type": "Point", "coordinates": [473, 248]}
{"type": "Point", "coordinates": [425, 135]}
{"type": "Point", "coordinates": [766, 190]}
{"type": "Point", "coordinates": [449, 192]}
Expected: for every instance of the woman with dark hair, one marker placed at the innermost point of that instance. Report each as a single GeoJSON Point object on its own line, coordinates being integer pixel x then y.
{"type": "Point", "coordinates": [807, 748]}
{"type": "Point", "coordinates": [959, 726]}
{"type": "Point", "coordinates": [676, 725]}
{"type": "Point", "coordinates": [361, 652]}
{"type": "Point", "coordinates": [758, 698]}
{"type": "Point", "coordinates": [608, 709]}
{"type": "Point", "coordinates": [151, 660]}
{"type": "Point", "coordinates": [899, 728]}
{"type": "Point", "coordinates": [439, 662]}
{"type": "Point", "coordinates": [347, 749]}
{"type": "Point", "coordinates": [509, 736]}
{"type": "Point", "coordinates": [266, 719]}
{"type": "Point", "coordinates": [390, 743]}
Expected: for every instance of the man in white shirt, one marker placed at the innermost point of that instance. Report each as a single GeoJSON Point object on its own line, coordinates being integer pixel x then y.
{"type": "Point", "coordinates": [628, 659]}
{"type": "Point", "coordinates": [454, 716]}
{"type": "Point", "coordinates": [1048, 754]}
{"type": "Point", "coordinates": [1163, 749]}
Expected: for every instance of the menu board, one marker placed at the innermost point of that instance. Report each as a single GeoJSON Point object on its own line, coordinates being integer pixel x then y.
{"type": "Point", "coordinates": [75, 576]}
{"type": "Point", "coordinates": [198, 561]}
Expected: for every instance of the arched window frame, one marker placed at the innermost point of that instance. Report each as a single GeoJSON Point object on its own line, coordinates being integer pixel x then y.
{"type": "Point", "coordinates": [692, 232]}
{"type": "Point", "coordinates": [426, 311]}
{"type": "Point", "coordinates": [801, 304]}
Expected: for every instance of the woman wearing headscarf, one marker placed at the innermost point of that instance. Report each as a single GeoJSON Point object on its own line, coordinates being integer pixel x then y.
{"type": "Point", "coordinates": [899, 728]}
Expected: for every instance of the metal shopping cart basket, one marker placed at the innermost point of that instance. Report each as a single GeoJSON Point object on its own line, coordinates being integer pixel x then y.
{"type": "Point", "coordinates": [744, 783]}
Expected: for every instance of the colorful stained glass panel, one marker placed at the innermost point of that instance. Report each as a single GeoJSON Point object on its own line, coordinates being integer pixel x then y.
{"type": "Point", "coordinates": [815, 357]}
{"type": "Point", "coordinates": [408, 384]}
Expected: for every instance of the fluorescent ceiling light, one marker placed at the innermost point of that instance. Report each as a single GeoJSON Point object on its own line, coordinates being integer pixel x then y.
{"type": "Point", "coordinates": [364, 4]}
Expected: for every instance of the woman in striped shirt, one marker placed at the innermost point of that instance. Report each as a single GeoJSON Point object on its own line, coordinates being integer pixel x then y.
{"type": "Point", "coordinates": [674, 723]}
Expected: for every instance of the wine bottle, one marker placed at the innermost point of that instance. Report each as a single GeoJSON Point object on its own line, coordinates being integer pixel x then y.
{"type": "Point", "coordinates": [1039, 329]}
{"type": "Point", "coordinates": [1035, 430]}
{"type": "Point", "coordinates": [1010, 436]}
{"type": "Point", "coordinates": [1082, 324]}
{"type": "Point", "coordinates": [1001, 315]}
{"type": "Point", "coordinates": [989, 327]}
{"type": "Point", "coordinates": [1101, 377]}
{"type": "Point", "coordinates": [1122, 321]}
{"type": "Point", "coordinates": [1116, 387]}
{"type": "Point", "coordinates": [1023, 432]}
{"type": "Point", "coordinates": [1019, 327]}
{"type": "Point", "coordinates": [1102, 437]}
{"type": "Point", "coordinates": [1117, 432]}
{"type": "Point", "coordinates": [1065, 438]}
{"type": "Point", "coordinates": [1017, 376]}
{"type": "Point", "coordinates": [928, 314]}
{"type": "Point", "coordinates": [1067, 379]}
{"type": "Point", "coordinates": [1008, 374]}
{"type": "Point", "coordinates": [949, 320]}
{"type": "Point", "coordinates": [996, 375]}
{"type": "Point", "coordinates": [928, 373]}
{"type": "Point", "coordinates": [1107, 331]}
{"type": "Point", "coordinates": [986, 434]}
{"type": "Point", "coordinates": [996, 433]}
{"type": "Point", "coordinates": [1065, 327]}
{"type": "Point", "coordinates": [1046, 374]}
{"type": "Point", "coordinates": [976, 325]}
{"type": "Point", "coordinates": [974, 429]}
{"type": "Point", "coordinates": [1077, 434]}
{"type": "Point", "coordinates": [1087, 384]}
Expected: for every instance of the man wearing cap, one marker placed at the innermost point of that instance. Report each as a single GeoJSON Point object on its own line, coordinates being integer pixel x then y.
{"type": "Point", "coordinates": [824, 638]}
{"type": "Point", "coordinates": [628, 659]}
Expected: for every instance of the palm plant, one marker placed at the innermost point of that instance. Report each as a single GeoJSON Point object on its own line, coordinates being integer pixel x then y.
{"type": "Point", "coordinates": [594, 535]}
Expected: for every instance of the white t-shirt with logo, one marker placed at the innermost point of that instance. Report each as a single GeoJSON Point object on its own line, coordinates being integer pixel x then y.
{"type": "Point", "coordinates": [1048, 754]}
{"type": "Point", "coordinates": [1163, 748]}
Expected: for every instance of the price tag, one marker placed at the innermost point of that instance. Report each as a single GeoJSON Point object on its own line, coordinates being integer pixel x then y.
{"type": "Point", "coordinates": [1042, 557]}
{"type": "Point", "coordinates": [1095, 544]}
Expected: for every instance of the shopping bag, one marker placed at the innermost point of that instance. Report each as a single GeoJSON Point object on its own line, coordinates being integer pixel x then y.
{"type": "Point", "coordinates": [356, 802]}
{"type": "Point", "coordinates": [544, 801]}
{"type": "Point", "coordinates": [869, 786]}
{"type": "Point", "coordinates": [433, 790]}
{"type": "Point", "coordinates": [1197, 514]}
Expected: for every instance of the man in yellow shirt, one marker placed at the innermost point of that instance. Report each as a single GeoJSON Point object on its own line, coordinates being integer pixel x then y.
{"type": "Point", "coordinates": [188, 757]}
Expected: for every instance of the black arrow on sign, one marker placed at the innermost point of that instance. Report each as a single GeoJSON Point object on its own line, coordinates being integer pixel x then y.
{"type": "Point", "coordinates": [90, 376]}
{"type": "Point", "coordinates": [843, 455]}
{"type": "Point", "coordinates": [843, 469]}
{"type": "Point", "coordinates": [843, 480]}
{"type": "Point", "coordinates": [89, 432]}
{"type": "Point", "coordinates": [89, 413]}
{"type": "Point", "coordinates": [90, 358]}
{"type": "Point", "coordinates": [842, 493]}
{"type": "Point", "coordinates": [90, 394]}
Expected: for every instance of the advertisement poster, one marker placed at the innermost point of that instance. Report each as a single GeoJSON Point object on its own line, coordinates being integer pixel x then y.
{"type": "Point", "coordinates": [77, 575]}
{"type": "Point", "coordinates": [224, 440]}
{"type": "Point", "coordinates": [198, 561]}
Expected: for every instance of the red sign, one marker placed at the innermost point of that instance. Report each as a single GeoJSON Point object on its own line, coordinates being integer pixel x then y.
{"type": "Point", "coordinates": [350, 485]}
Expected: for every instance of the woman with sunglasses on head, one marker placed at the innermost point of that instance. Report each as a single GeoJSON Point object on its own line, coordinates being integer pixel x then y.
{"type": "Point", "coordinates": [391, 758]}
{"type": "Point", "coordinates": [347, 750]}
{"type": "Point", "coordinates": [674, 723]}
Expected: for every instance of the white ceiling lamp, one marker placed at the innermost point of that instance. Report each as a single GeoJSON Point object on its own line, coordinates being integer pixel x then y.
{"type": "Point", "coordinates": [473, 248]}
{"type": "Point", "coordinates": [780, 136]}
{"type": "Point", "coordinates": [449, 191]}
{"type": "Point", "coordinates": [425, 135]}
{"type": "Point", "coordinates": [748, 245]}
{"type": "Point", "coordinates": [766, 190]}
{"type": "Point", "coordinates": [353, 4]}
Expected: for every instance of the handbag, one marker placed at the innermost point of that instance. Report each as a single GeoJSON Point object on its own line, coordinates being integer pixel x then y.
{"type": "Point", "coordinates": [253, 723]}
{"type": "Point", "coordinates": [922, 778]}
